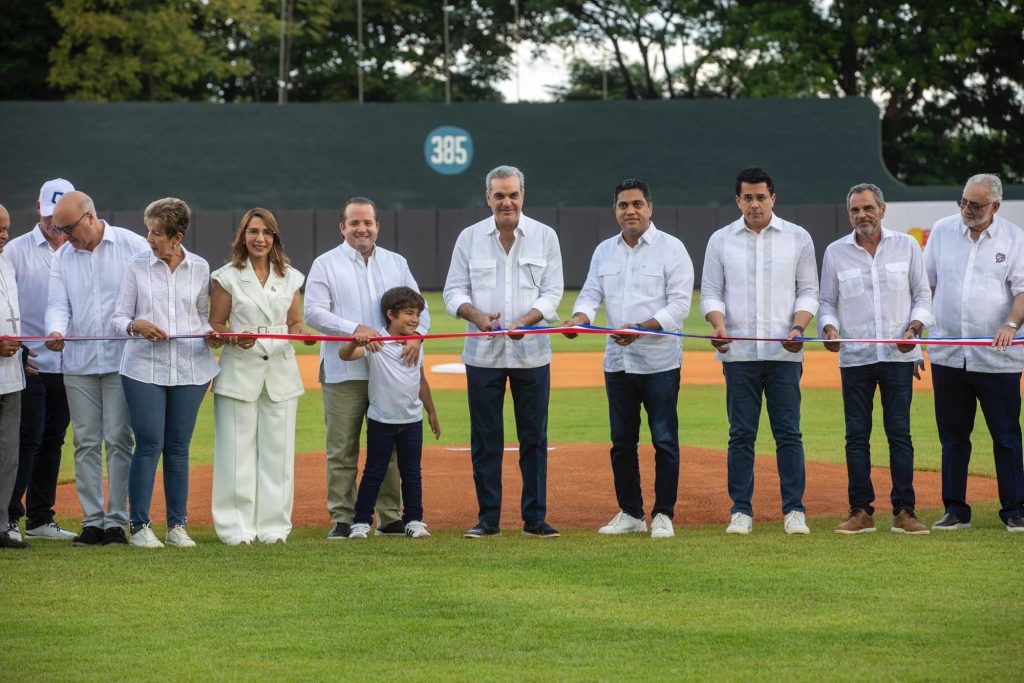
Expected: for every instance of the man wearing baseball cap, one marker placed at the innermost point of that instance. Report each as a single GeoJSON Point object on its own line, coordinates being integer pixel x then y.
{"type": "Point", "coordinates": [44, 404]}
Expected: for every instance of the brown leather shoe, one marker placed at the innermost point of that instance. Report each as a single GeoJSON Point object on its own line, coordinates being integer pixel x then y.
{"type": "Point", "coordinates": [860, 522]}
{"type": "Point", "coordinates": [906, 523]}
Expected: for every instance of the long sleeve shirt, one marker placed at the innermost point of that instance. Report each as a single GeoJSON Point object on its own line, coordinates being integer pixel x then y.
{"type": "Point", "coordinates": [874, 297]}
{"type": "Point", "coordinates": [654, 279]}
{"type": "Point", "coordinates": [344, 291]}
{"type": "Point", "coordinates": [12, 372]}
{"type": "Point", "coordinates": [758, 281]}
{"type": "Point", "coordinates": [82, 297]}
{"type": "Point", "coordinates": [528, 276]}
{"type": "Point", "coordinates": [975, 283]}
{"type": "Point", "coordinates": [178, 302]}
{"type": "Point", "coordinates": [31, 256]}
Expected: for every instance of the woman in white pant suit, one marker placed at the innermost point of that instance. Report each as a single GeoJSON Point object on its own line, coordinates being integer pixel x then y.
{"type": "Point", "coordinates": [257, 390]}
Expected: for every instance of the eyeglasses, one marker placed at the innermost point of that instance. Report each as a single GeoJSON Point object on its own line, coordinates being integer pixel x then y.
{"type": "Point", "coordinates": [973, 206]}
{"type": "Point", "coordinates": [66, 229]}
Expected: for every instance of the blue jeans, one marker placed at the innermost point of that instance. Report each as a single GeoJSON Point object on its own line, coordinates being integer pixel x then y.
{"type": "Point", "coordinates": [895, 382]}
{"type": "Point", "coordinates": [383, 439]}
{"type": "Point", "coordinates": [163, 419]}
{"type": "Point", "coordinates": [531, 387]}
{"type": "Point", "coordinates": [44, 422]}
{"type": "Point", "coordinates": [779, 382]}
{"type": "Point", "coordinates": [658, 393]}
{"type": "Point", "coordinates": [957, 394]}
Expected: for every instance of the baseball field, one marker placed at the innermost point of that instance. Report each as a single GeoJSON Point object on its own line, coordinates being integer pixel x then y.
{"type": "Point", "coordinates": [582, 607]}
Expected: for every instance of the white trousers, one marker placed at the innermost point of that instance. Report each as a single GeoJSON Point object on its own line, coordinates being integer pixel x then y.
{"type": "Point", "coordinates": [253, 468]}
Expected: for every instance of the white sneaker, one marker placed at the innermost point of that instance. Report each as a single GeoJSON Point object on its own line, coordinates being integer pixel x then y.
{"type": "Point", "coordinates": [661, 527]}
{"type": "Point", "coordinates": [623, 523]}
{"type": "Point", "coordinates": [359, 531]}
{"type": "Point", "coordinates": [416, 529]}
{"type": "Point", "coordinates": [14, 531]}
{"type": "Point", "coordinates": [741, 523]}
{"type": "Point", "coordinates": [145, 538]}
{"type": "Point", "coordinates": [51, 531]}
{"type": "Point", "coordinates": [796, 524]}
{"type": "Point", "coordinates": [180, 538]}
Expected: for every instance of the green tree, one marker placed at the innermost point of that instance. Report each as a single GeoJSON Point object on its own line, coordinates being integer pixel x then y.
{"type": "Point", "coordinates": [26, 34]}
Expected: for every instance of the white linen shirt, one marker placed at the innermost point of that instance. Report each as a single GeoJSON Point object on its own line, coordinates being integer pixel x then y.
{"type": "Point", "coordinates": [394, 388]}
{"type": "Point", "coordinates": [178, 303]}
{"type": "Point", "coordinates": [343, 291]}
{"type": "Point", "coordinates": [874, 297]}
{"type": "Point", "coordinates": [975, 283]}
{"type": "Point", "coordinates": [528, 276]}
{"type": "Point", "coordinates": [82, 296]}
{"type": "Point", "coordinates": [758, 281]}
{"type": "Point", "coordinates": [654, 279]}
{"type": "Point", "coordinates": [31, 256]}
{"type": "Point", "coordinates": [12, 370]}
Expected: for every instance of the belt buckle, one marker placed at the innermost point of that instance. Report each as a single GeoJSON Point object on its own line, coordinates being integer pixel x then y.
{"type": "Point", "coordinates": [262, 329]}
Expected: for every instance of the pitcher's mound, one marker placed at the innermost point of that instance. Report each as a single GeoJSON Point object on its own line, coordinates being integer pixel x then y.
{"type": "Point", "coordinates": [581, 494]}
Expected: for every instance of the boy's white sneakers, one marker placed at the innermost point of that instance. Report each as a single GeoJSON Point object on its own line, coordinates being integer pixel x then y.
{"type": "Point", "coordinates": [741, 523]}
{"type": "Point", "coordinates": [624, 524]}
{"type": "Point", "coordinates": [359, 531]}
{"type": "Point", "coordinates": [416, 529]}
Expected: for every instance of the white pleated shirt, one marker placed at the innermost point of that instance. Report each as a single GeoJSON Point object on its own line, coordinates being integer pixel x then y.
{"type": "Point", "coordinates": [528, 276]}
{"type": "Point", "coordinates": [31, 256]}
{"type": "Point", "coordinates": [177, 302]}
{"type": "Point", "coordinates": [12, 371]}
{"type": "Point", "coordinates": [344, 291]}
{"type": "Point", "coordinates": [874, 297]}
{"type": "Point", "coordinates": [82, 297]}
{"type": "Point", "coordinates": [975, 283]}
{"type": "Point", "coordinates": [758, 281]}
{"type": "Point", "coordinates": [394, 388]}
{"type": "Point", "coordinates": [654, 279]}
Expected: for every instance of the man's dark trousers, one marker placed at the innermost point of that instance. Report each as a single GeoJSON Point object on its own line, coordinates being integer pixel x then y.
{"type": "Point", "coordinates": [531, 388]}
{"type": "Point", "coordinates": [44, 422]}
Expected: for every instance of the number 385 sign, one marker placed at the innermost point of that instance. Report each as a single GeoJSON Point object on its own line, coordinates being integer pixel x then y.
{"type": "Point", "coordinates": [448, 150]}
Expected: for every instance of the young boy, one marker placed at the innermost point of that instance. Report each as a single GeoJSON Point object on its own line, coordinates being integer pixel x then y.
{"type": "Point", "coordinates": [394, 421]}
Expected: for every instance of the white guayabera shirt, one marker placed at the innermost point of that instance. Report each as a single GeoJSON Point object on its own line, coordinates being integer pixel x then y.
{"type": "Point", "coordinates": [84, 286]}
{"type": "Point", "coordinates": [758, 281]}
{"type": "Point", "coordinates": [177, 302]}
{"type": "Point", "coordinates": [654, 279]}
{"type": "Point", "coordinates": [975, 283]}
{"type": "Point", "coordinates": [874, 297]}
{"type": "Point", "coordinates": [31, 256]}
{"type": "Point", "coordinates": [12, 372]}
{"type": "Point", "coordinates": [529, 276]}
{"type": "Point", "coordinates": [343, 291]}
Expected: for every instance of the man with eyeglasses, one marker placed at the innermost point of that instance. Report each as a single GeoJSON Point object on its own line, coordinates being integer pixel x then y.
{"type": "Point", "coordinates": [85, 281]}
{"type": "Point", "coordinates": [44, 403]}
{"type": "Point", "coordinates": [975, 264]}
{"type": "Point", "coordinates": [761, 280]}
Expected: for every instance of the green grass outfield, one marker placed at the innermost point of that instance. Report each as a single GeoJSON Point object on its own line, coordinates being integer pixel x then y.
{"type": "Point", "coordinates": [583, 607]}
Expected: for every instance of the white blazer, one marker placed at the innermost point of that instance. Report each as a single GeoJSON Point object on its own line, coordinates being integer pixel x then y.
{"type": "Point", "coordinates": [259, 308]}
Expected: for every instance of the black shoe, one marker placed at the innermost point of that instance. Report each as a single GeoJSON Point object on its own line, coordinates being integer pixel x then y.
{"type": "Point", "coordinates": [951, 522]}
{"type": "Point", "coordinates": [1015, 523]}
{"type": "Point", "coordinates": [91, 535]}
{"type": "Point", "coordinates": [396, 528]}
{"type": "Point", "coordinates": [339, 530]}
{"type": "Point", "coordinates": [8, 542]}
{"type": "Point", "coordinates": [483, 529]}
{"type": "Point", "coordinates": [540, 530]}
{"type": "Point", "coordinates": [114, 535]}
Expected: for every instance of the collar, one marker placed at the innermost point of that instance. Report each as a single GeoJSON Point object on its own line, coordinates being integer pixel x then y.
{"type": "Point", "coordinates": [991, 231]}
{"type": "Point", "coordinates": [851, 237]}
{"type": "Point", "coordinates": [775, 222]}
{"type": "Point", "coordinates": [491, 227]}
{"type": "Point", "coordinates": [153, 260]}
{"type": "Point", "coordinates": [647, 238]}
{"type": "Point", "coordinates": [353, 255]}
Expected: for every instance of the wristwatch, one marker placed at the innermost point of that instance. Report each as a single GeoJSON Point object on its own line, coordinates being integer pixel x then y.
{"type": "Point", "coordinates": [798, 328]}
{"type": "Point", "coordinates": [1011, 324]}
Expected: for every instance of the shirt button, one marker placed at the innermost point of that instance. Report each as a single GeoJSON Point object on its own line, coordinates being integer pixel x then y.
{"type": "Point", "coordinates": [264, 357]}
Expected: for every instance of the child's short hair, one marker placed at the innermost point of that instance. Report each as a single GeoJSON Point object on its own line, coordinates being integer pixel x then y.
{"type": "Point", "coordinates": [400, 298]}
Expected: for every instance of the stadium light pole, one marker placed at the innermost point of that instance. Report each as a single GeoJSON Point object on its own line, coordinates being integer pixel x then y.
{"type": "Point", "coordinates": [359, 52]}
{"type": "Point", "coordinates": [447, 65]}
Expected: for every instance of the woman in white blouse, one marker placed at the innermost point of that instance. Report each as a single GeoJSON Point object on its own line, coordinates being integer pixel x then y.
{"type": "Point", "coordinates": [165, 297]}
{"type": "Point", "coordinates": [256, 393]}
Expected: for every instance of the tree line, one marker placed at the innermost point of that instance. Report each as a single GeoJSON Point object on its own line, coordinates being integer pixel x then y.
{"type": "Point", "coordinates": [948, 77]}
